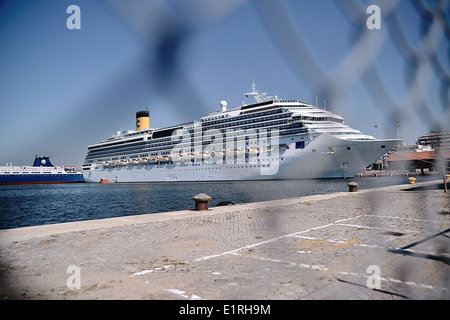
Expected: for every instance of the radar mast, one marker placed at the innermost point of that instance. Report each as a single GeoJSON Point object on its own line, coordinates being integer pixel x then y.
{"type": "Point", "coordinates": [256, 95]}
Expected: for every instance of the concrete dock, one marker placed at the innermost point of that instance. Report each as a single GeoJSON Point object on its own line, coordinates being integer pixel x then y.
{"type": "Point", "coordinates": [388, 243]}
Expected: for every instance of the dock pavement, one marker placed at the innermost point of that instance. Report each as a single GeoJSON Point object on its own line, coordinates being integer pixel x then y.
{"type": "Point", "coordinates": [389, 243]}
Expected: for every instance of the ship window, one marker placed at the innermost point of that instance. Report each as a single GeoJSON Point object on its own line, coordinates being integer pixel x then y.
{"type": "Point", "coordinates": [300, 145]}
{"type": "Point", "coordinates": [383, 146]}
{"type": "Point", "coordinates": [349, 148]}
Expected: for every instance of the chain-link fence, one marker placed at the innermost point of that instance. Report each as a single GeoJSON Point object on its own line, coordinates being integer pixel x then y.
{"type": "Point", "coordinates": [165, 28]}
{"type": "Point", "coordinates": [406, 232]}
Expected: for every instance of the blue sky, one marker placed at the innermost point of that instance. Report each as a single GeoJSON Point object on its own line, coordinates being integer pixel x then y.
{"type": "Point", "coordinates": [61, 89]}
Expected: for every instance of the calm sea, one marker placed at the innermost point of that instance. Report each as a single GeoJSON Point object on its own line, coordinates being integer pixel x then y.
{"type": "Point", "coordinates": [31, 205]}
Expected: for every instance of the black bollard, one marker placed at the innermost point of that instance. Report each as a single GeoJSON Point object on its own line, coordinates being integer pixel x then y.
{"type": "Point", "coordinates": [352, 187]}
{"type": "Point", "coordinates": [201, 201]}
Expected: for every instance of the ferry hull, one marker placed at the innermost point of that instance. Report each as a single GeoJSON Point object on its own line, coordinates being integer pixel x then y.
{"type": "Point", "coordinates": [19, 179]}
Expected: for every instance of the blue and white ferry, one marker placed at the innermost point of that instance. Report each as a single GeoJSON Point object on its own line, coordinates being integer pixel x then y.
{"type": "Point", "coordinates": [41, 172]}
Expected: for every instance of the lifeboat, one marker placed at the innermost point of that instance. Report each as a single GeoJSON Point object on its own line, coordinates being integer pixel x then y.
{"type": "Point", "coordinates": [152, 160]}
{"type": "Point", "coordinates": [233, 152]}
{"type": "Point", "coordinates": [164, 159]}
{"type": "Point", "coordinates": [199, 156]}
{"type": "Point", "coordinates": [253, 151]}
{"type": "Point", "coordinates": [133, 162]}
{"type": "Point", "coordinates": [105, 180]}
{"type": "Point", "coordinates": [218, 155]}
{"type": "Point", "coordinates": [176, 158]}
{"type": "Point", "coordinates": [188, 157]}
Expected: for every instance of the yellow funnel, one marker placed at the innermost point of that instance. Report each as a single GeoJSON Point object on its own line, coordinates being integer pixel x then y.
{"type": "Point", "coordinates": [142, 120]}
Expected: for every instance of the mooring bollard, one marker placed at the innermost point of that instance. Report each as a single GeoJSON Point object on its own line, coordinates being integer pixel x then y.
{"type": "Point", "coordinates": [411, 180]}
{"type": "Point", "coordinates": [446, 177]}
{"type": "Point", "coordinates": [201, 201]}
{"type": "Point", "coordinates": [352, 187]}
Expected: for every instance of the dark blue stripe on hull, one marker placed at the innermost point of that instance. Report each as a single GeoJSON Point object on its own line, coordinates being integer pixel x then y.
{"type": "Point", "coordinates": [40, 178]}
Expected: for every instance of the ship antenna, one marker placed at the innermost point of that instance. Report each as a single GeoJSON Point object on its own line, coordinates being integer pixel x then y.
{"type": "Point", "coordinates": [257, 96]}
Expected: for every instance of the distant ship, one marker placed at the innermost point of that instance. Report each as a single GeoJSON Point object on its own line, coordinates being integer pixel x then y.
{"type": "Point", "coordinates": [270, 138]}
{"type": "Point", "coordinates": [41, 172]}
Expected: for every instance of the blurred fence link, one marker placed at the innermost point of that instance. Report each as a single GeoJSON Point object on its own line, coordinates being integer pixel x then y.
{"type": "Point", "coordinates": [165, 26]}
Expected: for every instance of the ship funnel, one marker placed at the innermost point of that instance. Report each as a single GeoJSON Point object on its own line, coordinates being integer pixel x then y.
{"type": "Point", "coordinates": [42, 162]}
{"type": "Point", "coordinates": [142, 120]}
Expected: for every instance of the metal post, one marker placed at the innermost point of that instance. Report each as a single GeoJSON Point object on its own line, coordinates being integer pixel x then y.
{"type": "Point", "coordinates": [201, 201]}
{"type": "Point", "coordinates": [352, 187]}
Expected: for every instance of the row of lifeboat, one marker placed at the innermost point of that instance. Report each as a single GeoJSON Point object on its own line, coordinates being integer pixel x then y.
{"type": "Point", "coordinates": [200, 156]}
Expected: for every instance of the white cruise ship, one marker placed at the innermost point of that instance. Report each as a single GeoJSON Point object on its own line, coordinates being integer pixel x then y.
{"type": "Point", "coordinates": [270, 138]}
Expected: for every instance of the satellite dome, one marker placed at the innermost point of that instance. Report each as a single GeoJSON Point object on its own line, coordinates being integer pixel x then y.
{"type": "Point", "coordinates": [223, 104]}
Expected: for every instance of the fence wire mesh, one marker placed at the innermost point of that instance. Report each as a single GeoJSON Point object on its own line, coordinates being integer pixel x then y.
{"type": "Point", "coordinates": [165, 28]}
{"type": "Point", "coordinates": [406, 232]}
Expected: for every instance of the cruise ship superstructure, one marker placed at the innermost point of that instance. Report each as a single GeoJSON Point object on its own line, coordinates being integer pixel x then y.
{"type": "Point", "coordinates": [270, 138]}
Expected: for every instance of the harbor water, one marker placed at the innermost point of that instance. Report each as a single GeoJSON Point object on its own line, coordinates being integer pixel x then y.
{"type": "Point", "coordinates": [31, 205]}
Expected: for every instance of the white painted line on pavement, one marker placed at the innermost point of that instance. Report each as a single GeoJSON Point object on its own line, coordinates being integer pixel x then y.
{"type": "Point", "coordinates": [185, 295]}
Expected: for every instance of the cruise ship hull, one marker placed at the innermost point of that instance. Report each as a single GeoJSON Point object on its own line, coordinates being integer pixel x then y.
{"type": "Point", "coordinates": [324, 157]}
